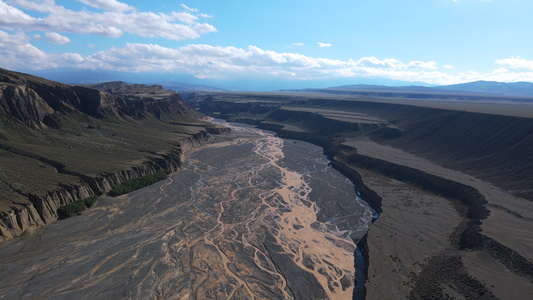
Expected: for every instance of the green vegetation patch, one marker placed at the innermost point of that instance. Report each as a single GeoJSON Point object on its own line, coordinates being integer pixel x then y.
{"type": "Point", "coordinates": [76, 208]}
{"type": "Point", "coordinates": [137, 183]}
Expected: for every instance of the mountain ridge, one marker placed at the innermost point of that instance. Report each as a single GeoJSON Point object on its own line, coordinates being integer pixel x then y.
{"type": "Point", "coordinates": [491, 88]}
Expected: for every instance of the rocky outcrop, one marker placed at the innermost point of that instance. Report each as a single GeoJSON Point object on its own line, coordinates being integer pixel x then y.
{"type": "Point", "coordinates": [158, 107]}
{"type": "Point", "coordinates": [100, 104]}
{"type": "Point", "coordinates": [42, 210]}
{"type": "Point", "coordinates": [20, 218]}
{"type": "Point", "coordinates": [141, 99]}
{"type": "Point", "coordinates": [36, 102]}
{"type": "Point", "coordinates": [24, 105]}
{"type": "Point", "coordinates": [218, 130]}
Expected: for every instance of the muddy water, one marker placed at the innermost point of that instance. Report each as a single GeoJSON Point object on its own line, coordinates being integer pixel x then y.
{"type": "Point", "coordinates": [251, 216]}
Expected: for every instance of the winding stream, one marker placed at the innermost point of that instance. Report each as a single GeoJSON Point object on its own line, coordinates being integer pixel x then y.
{"type": "Point", "coordinates": [251, 216]}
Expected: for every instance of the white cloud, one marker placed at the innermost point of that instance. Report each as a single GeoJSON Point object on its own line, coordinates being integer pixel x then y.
{"type": "Point", "coordinates": [516, 63]}
{"type": "Point", "coordinates": [37, 37]}
{"type": "Point", "coordinates": [422, 65]}
{"type": "Point", "coordinates": [71, 58]}
{"type": "Point", "coordinates": [448, 67]}
{"type": "Point", "coordinates": [16, 52]}
{"type": "Point", "coordinates": [206, 61]}
{"type": "Point", "coordinates": [184, 17]}
{"type": "Point", "coordinates": [117, 19]}
{"type": "Point", "coordinates": [109, 5]}
{"type": "Point", "coordinates": [322, 45]}
{"type": "Point", "coordinates": [298, 44]}
{"type": "Point", "coordinates": [188, 8]}
{"type": "Point", "coordinates": [11, 16]}
{"type": "Point", "coordinates": [56, 38]}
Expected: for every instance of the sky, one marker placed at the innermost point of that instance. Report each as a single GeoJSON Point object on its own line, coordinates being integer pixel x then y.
{"type": "Point", "coordinates": [278, 43]}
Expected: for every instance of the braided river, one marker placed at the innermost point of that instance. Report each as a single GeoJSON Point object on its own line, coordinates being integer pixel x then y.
{"type": "Point", "coordinates": [250, 216]}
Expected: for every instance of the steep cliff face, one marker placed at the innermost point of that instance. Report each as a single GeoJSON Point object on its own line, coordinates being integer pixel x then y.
{"type": "Point", "coordinates": [144, 100]}
{"type": "Point", "coordinates": [42, 210]}
{"type": "Point", "coordinates": [158, 107]}
{"type": "Point", "coordinates": [492, 147]}
{"type": "Point", "coordinates": [36, 101]}
{"type": "Point", "coordinates": [100, 104]}
{"type": "Point", "coordinates": [23, 104]}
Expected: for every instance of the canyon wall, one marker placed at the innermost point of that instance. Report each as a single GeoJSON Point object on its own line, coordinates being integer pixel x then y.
{"type": "Point", "coordinates": [42, 210]}
{"type": "Point", "coordinates": [52, 133]}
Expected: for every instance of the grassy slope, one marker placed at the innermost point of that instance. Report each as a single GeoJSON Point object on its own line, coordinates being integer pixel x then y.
{"type": "Point", "coordinates": [85, 145]}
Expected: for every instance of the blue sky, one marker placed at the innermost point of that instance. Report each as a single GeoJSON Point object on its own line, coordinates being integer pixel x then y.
{"type": "Point", "coordinates": [296, 41]}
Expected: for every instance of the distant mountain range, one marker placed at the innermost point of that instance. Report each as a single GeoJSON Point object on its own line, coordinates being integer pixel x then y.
{"type": "Point", "coordinates": [517, 89]}
{"type": "Point", "coordinates": [493, 87]}
{"type": "Point", "coordinates": [189, 84]}
{"type": "Point", "coordinates": [88, 77]}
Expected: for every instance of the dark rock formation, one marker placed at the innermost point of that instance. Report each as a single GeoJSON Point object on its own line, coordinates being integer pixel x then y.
{"type": "Point", "coordinates": [36, 101]}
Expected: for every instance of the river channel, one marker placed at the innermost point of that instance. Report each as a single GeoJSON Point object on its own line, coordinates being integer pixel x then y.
{"type": "Point", "coordinates": [250, 216]}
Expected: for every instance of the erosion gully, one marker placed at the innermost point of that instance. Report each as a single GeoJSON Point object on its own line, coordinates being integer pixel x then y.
{"type": "Point", "coordinates": [250, 216]}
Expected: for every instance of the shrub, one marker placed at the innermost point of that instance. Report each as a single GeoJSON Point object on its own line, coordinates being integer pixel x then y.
{"type": "Point", "coordinates": [75, 208]}
{"type": "Point", "coordinates": [89, 202]}
{"type": "Point", "coordinates": [71, 209]}
{"type": "Point", "coordinates": [137, 183]}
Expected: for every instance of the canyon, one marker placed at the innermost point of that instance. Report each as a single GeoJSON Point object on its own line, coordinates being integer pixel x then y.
{"type": "Point", "coordinates": [335, 195]}
{"type": "Point", "coordinates": [450, 178]}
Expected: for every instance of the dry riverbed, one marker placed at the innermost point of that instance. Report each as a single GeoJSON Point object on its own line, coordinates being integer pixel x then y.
{"type": "Point", "coordinates": [249, 216]}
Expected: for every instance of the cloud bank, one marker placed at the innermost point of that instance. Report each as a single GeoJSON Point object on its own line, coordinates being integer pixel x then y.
{"type": "Point", "coordinates": [23, 22]}
{"type": "Point", "coordinates": [516, 63]}
{"type": "Point", "coordinates": [116, 19]}
{"type": "Point", "coordinates": [216, 62]}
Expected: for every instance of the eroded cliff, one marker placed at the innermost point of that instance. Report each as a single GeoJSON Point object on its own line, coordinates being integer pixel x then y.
{"type": "Point", "coordinates": [61, 143]}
